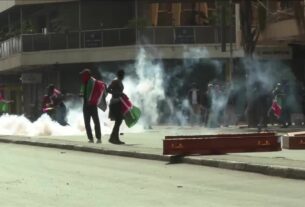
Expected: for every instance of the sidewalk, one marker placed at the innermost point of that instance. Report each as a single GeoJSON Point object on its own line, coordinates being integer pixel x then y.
{"type": "Point", "coordinates": [149, 145]}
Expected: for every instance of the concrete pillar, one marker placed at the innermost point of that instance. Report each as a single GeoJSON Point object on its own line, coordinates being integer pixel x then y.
{"type": "Point", "coordinates": [237, 27]}
{"type": "Point", "coordinates": [9, 21]}
{"type": "Point", "coordinates": [21, 20]}
{"type": "Point", "coordinates": [79, 23]}
{"type": "Point", "coordinates": [228, 69]}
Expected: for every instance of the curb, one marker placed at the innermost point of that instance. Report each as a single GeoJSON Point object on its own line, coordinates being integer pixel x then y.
{"type": "Point", "coordinates": [81, 148]}
{"type": "Point", "coordinates": [271, 170]}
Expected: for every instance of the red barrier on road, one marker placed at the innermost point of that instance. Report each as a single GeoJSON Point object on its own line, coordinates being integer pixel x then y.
{"type": "Point", "coordinates": [220, 144]}
{"type": "Point", "coordinates": [269, 134]}
{"type": "Point", "coordinates": [294, 142]}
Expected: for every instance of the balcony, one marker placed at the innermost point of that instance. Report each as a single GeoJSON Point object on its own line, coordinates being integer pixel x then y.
{"type": "Point", "coordinates": [113, 37]}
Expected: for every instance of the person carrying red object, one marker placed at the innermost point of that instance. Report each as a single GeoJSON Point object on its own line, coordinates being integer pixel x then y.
{"type": "Point", "coordinates": [93, 92]}
{"type": "Point", "coordinates": [53, 105]}
{"type": "Point", "coordinates": [115, 108]}
{"type": "Point", "coordinates": [51, 99]}
{"type": "Point", "coordinates": [280, 105]}
{"type": "Point", "coordinates": [131, 113]}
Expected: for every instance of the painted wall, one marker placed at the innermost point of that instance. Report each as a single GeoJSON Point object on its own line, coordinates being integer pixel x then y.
{"type": "Point", "coordinates": [104, 54]}
{"type": "Point", "coordinates": [6, 4]}
{"type": "Point", "coordinates": [282, 30]}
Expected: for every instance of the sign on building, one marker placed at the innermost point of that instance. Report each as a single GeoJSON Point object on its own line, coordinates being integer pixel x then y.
{"type": "Point", "coordinates": [273, 53]}
{"type": "Point", "coordinates": [184, 35]}
{"type": "Point", "coordinates": [93, 39]}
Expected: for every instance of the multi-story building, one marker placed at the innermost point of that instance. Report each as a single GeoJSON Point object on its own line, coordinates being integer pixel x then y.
{"type": "Point", "coordinates": [285, 29]}
{"type": "Point", "coordinates": [50, 41]}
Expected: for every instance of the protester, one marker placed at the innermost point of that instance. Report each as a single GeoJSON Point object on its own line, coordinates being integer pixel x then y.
{"type": "Point", "coordinates": [280, 103]}
{"type": "Point", "coordinates": [208, 103]}
{"type": "Point", "coordinates": [194, 101]}
{"type": "Point", "coordinates": [262, 104]}
{"type": "Point", "coordinates": [217, 103]}
{"type": "Point", "coordinates": [92, 91]}
{"type": "Point", "coordinates": [115, 110]}
{"type": "Point", "coordinates": [4, 104]}
{"type": "Point", "coordinates": [54, 106]}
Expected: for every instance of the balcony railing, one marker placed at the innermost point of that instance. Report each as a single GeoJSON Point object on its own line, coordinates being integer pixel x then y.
{"type": "Point", "coordinates": [10, 46]}
{"type": "Point", "coordinates": [113, 37]}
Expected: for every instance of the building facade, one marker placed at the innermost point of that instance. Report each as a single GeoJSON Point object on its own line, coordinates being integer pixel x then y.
{"type": "Point", "coordinates": [285, 29]}
{"type": "Point", "coordinates": [50, 41]}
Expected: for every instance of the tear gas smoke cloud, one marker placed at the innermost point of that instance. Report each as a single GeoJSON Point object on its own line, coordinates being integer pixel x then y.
{"type": "Point", "coordinates": [180, 107]}
{"type": "Point", "coordinates": [147, 86]}
{"type": "Point", "coordinates": [144, 88]}
{"type": "Point", "coordinates": [267, 74]}
{"type": "Point", "coordinates": [44, 126]}
{"type": "Point", "coordinates": [193, 56]}
{"type": "Point", "coordinates": [20, 125]}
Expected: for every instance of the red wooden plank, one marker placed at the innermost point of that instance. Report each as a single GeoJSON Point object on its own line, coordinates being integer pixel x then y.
{"type": "Point", "coordinates": [294, 142]}
{"type": "Point", "coordinates": [221, 135]}
{"type": "Point", "coordinates": [220, 145]}
{"type": "Point", "coordinates": [299, 135]}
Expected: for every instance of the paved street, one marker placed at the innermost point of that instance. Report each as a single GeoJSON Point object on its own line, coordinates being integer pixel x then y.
{"type": "Point", "coordinates": [34, 176]}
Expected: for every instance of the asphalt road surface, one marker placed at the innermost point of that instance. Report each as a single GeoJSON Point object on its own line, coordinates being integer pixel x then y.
{"type": "Point", "coordinates": [34, 176]}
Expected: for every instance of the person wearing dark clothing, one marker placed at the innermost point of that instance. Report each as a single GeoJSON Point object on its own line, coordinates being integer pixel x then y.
{"type": "Point", "coordinates": [115, 112]}
{"type": "Point", "coordinates": [301, 97]}
{"type": "Point", "coordinates": [195, 103]}
{"type": "Point", "coordinates": [92, 90]}
{"type": "Point", "coordinates": [262, 106]}
{"type": "Point", "coordinates": [54, 106]}
{"type": "Point", "coordinates": [281, 93]}
{"type": "Point", "coordinates": [286, 111]}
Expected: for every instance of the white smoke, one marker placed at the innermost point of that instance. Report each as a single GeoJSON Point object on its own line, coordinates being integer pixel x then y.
{"type": "Point", "coordinates": [146, 88]}
{"type": "Point", "coordinates": [144, 85]}
{"type": "Point", "coordinates": [268, 74]}
{"type": "Point", "coordinates": [44, 126]}
{"type": "Point", "coordinates": [197, 55]}
{"type": "Point", "coordinates": [180, 107]}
